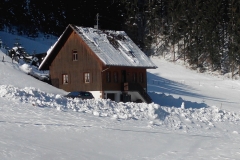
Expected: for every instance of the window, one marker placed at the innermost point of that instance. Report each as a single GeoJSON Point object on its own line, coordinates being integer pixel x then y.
{"type": "Point", "coordinates": [141, 77]}
{"type": "Point", "coordinates": [115, 75]}
{"type": "Point", "coordinates": [134, 76]}
{"type": "Point", "coordinates": [65, 79]}
{"type": "Point", "coordinates": [124, 76]}
{"type": "Point", "coordinates": [87, 77]}
{"type": "Point", "coordinates": [108, 78]}
{"type": "Point", "coordinates": [74, 55]}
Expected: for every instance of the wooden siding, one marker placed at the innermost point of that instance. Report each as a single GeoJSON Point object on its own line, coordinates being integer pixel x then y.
{"type": "Point", "coordinates": [87, 62]}
{"type": "Point", "coordinates": [122, 72]}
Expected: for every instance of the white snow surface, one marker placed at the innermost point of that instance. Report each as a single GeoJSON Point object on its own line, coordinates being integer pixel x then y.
{"type": "Point", "coordinates": [38, 45]}
{"type": "Point", "coordinates": [194, 116]}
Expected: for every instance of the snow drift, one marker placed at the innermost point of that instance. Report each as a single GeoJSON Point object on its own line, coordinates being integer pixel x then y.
{"type": "Point", "coordinates": [172, 117]}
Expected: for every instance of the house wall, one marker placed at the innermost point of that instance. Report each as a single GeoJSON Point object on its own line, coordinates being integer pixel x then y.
{"type": "Point", "coordinates": [117, 96]}
{"type": "Point", "coordinates": [113, 90]}
{"type": "Point", "coordinates": [122, 72]}
{"type": "Point", "coordinates": [87, 62]}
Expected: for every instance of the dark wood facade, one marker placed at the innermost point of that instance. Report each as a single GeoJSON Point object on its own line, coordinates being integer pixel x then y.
{"type": "Point", "coordinates": [101, 77]}
{"type": "Point", "coordinates": [120, 75]}
{"type": "Point", "coordinates": [86, 62]}
{"type": "Point", "coordinates": [74, 66]}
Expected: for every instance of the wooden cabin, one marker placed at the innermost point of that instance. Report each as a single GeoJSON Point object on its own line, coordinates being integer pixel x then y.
{"type": "Point", "coordinates": [106, 63]}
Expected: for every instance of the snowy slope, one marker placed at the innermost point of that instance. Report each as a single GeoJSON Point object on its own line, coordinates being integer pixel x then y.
{"type": "Point", "coordinates": [37, 45]}
{"type": "Point", "coordinates": [203, 88]}
{"type": "Point", "coordinates": [13, 74]}
{"type": "Point", "coordinates": [187, 120]}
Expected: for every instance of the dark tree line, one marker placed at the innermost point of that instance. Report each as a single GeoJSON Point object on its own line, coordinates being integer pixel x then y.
{"type": "Point", "coordinates": [51, 17]}
{"type": "Point", "coordinates": [208, 32]}
{"type": "Point", "coordinates": [202, 33]}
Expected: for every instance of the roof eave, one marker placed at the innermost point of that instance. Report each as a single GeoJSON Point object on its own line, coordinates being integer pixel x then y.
{"type": "Point", "coordinates": [50, 56]}
{"type": "Point", "coordinates": [147, 67]}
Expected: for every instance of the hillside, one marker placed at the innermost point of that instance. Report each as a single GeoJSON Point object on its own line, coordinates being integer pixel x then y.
{"type": "Point", "coordinates": [207, 89]}
{"type": "Point", "coordinates": [194, 116]}
{"type": "Point", "coordinates": [37, 45]}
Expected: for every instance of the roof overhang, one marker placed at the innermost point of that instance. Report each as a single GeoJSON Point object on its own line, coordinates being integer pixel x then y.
{"type": "Point", "coordinates": [52, 52]}
{"type": "Point", "coordinates": [145, 67]}
{"type": "Point", "coordinates": [55, 49]}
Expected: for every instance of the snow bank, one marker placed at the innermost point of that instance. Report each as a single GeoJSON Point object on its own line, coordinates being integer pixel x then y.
{"type": "Point", "coordinates": [25, 68]}
{"type": "Point", "coordinates": [177, 118]}
{"type": "Point", "coordinates": [33, 71]}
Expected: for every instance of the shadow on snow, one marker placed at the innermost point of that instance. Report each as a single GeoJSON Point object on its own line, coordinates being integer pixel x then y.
{"type": "Point", "coordinates": [161, 91]}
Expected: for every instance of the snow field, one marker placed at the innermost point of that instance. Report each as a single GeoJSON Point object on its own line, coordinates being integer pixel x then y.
{"type": "Point", "coordinates": [171, 117]}
{"type": "Point", "coordinates": [189, 119]}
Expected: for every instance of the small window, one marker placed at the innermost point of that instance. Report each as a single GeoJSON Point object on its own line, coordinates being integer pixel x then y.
{"type": "Point", "coordinates": [134, 77]}
{"type": "Point", "coordinates": [65, 79]}
{"type": "Point", "coordinates": [108, 78]}
{"type": "Point", "coordinates": [87, 77]}
{"type": "Point", "coordinates": [75, 55]}
{"type": "Point", "coordinates": [115, 75]}
{"type": "Point", "coordinates": [141, 77]}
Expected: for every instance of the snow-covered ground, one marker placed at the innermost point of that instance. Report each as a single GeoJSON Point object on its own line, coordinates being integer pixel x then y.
{"type": "Point", "coordinates": [34, 45]}
{"type": "Point", "coordinates": [194, 116]}
{"type": "Point", "coordinates": [204, 88]}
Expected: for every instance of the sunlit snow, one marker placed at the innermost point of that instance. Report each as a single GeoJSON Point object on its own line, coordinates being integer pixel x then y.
{"type": "Point", "coordinates": [194, 116]}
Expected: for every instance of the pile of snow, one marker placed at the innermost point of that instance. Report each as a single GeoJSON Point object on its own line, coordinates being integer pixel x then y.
{"type": "Point", "coordinates": [26, 68]}
{"type": "Point", "coordinates": [172, 117]}
{"type": "Point", "coordinates": [33, 71]}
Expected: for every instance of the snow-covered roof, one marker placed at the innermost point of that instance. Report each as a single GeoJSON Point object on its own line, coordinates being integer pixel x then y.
{"type": "Point", "coordinates": [113, 48]}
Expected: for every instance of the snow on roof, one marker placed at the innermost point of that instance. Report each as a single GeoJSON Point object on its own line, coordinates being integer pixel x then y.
{"type": "Point", "coordinates": [48, 53]}
{"type": "Point", "coordinates": [114, 48]}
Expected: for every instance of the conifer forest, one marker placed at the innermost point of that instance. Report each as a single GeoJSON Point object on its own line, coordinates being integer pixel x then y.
{"type": "Point", "coordinates": [205, 34]}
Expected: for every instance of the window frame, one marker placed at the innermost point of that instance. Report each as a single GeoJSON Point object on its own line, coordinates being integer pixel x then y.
{"type": "Point", "coordinates": [74, 55]}
{"type": "Point", "coordinates": [108, 77]}
{"type": "Point", "coordinates": [134, 77]}
{"type": "Point", "coordinates": [115, 77]}
{"type": "Point", "coordinates": [141, 77]}
{"type": "Point", "coordinates": [65, 79]}
{"type": "Point", "coordinates": [87, 77]}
